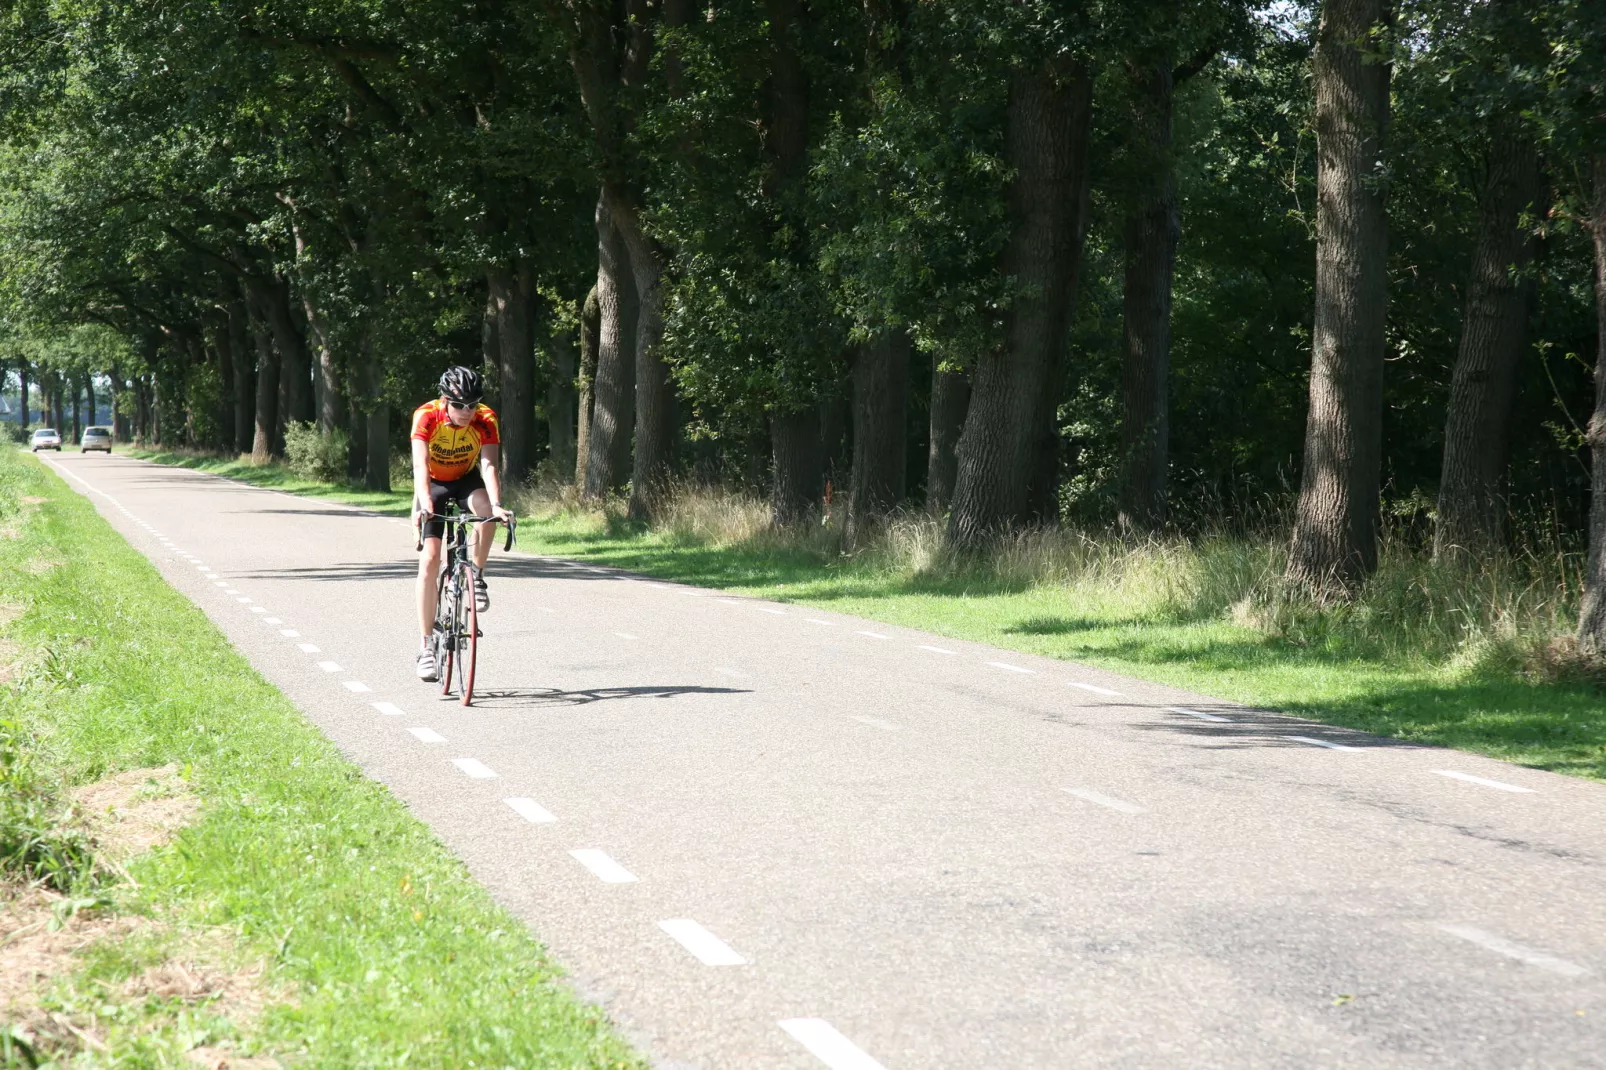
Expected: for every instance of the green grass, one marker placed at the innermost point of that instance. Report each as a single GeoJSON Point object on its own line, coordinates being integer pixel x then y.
{"type": "Point", "coordinates": [394, 955]}
{"type": "Point", "coordinates": [277, 476]}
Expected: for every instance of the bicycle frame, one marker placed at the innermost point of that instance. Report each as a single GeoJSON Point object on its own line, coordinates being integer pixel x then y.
{"type": "Point", "coordinates": [456, 631]}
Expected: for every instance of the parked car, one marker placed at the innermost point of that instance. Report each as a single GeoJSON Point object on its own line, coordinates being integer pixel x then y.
{"type": "Point", "coordinates": [45, 438]}
{"type": "Point", "coordinates": [96, 438]}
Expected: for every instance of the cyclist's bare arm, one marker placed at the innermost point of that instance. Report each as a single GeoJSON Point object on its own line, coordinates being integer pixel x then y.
{"type": "Point", "coordinates": [490, 469]}
{"type": "Point", "coordinates": [420, 481]}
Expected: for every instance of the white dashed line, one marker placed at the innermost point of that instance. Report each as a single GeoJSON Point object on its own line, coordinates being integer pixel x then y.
{"type": "Point", "coordinates": [1011, 668]}
{"type": "Point", "coordinates": [731, 601]}
{"type": "Point", "coordinates": [530, 810]}
{"type": "Point", "coordinates": [258, 609]}
{"type": "Point", "coordinates": [604, 868]}
{"type": "Point", "coordinates": [243, 600]}
{"type": "Point", "coordinates": [709, 949]}
{"type": "Point", "coordinates": [771, 609]}
{"type": "Point", "coordinates": [1094, 688]}
{"type": "Point", "coordinates": [230, 590]}
{"type": "Point", "coordinates": [288, 633]}
{"type": "Point", "coordinates": [1496, 784]}
{"type": "Point", "coordinates": [389, 709]}
{"type": "Point", "coordinates": [219, 583]}
{"type": "Point", "coordinates": [326, 666]}
{"type": "Point", "coordinates": [308, 648]}
{"type": "Point", "coordinates": [1088, 795]}
{"type": "Point", "coordinates": [1195, 713]}
{"type": "Point", "coordinates": [626, 635]}
{"type": "Point", "coordinates": [475, 768]}
{"type": "Point", "coordinates": [872, 635]}
{"type": "Point", "coordinates": [1309, 741]}
{"type": "Point", "coordinates": [271, 620]}
{"type": "Point", "coordinates": [1501, 946]}
{"type": "Point", "coordinates": [876, 722]}
{"type": "Point", "coordinates": [817, 620]}
{"type": "Point", "coordinates": [827, 1045]}
{"type": "Point", "coordinates": [357, 686]}
{"type": "Point", "coordinates": [426, 735]}
{"type": "Point", "coordinates": [935, 649]}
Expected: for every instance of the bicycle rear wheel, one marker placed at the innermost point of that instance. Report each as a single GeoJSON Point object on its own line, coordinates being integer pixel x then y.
{"type": "Point", "coordinates": [468, 642]}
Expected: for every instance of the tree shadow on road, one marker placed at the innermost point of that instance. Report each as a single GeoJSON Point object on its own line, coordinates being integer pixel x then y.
{"type": "Point", "coordinates": [509, 698]}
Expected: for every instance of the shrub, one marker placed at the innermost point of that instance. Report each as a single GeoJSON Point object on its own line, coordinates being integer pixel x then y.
{"type": "Point", "coordinates": [313, 454]}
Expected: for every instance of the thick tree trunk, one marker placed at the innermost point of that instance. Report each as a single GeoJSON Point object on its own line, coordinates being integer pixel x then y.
{"type": "Point", "coordinates": [1494, 335]}
{"type": "Point", "coordinates": [656, 425]}
{"type": "Point", "coordinates": [376, 423]}
{"type": "Point", "coordinates": [950, 397]}
{"type": "Point", "coordinates": [357, 443]}
{"type": "Point", "coordinates": [880, 431]}
{"type": "Point", "coordinates": [1592, 617]}
{"type": "Point", "coordinates": [613, 411]}
{"type": "Point", "coordinates": [1003, 444]}
{"type": "Point", "coordinates": [331, 398]}
{"type": "Point", "coordinates": [1335, 524]}
{"type": "Point", "coordinates": [590, 326]}
{"type": "Point", "coordinates": [266, 416]}
{"type": "Point", "coordinates": [799, 460]}
{"type": "Point", "coordinates": [22, 393]}
{"type": "Point", "coordinates": [77, 427]}
{"type": "Point", "coordinates": [1151, 232]}
{"type": "Point", "coordinates": [512, 293]}
{"type": "Point", "coordinates": [244, 380]}
{"type": "Point", "coordinates": [222, 347]}
{"type": "Point", "coordinates": [560, 407]}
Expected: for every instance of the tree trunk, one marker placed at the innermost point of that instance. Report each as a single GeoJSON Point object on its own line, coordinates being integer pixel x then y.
{"type": "Point", "coordinates": [57, 401]}
{"type": "Point", "coordinates": [221, 345]}
{"type": "Point", "coordinates": [590, 325]}
{"type": "Point", "coordinates": [656, 426]}
{"type": "Point", "coordinates": [880, 431]}
{"type": "Point", "coordinates": [512, 294]}
{"type": "Point", "coordinates": [614, 403]}
{"type": "Point", "coordinates": [376, 423]}
{"type": "Point", "coordinates": [1003, 446]}
{"type": "Point", "coordinates": [22, 392]}
{"type": "Point", "coordinates": [1151, 232]}
{"type": "Point", "coordinates": [1494, 335]}
{"type": "Point", "coordinates": [950, 397]}
{"type": "Point", "coordinates": [560, 407]}
{"type": "Point", "coordinates": [119, 417]}
{"type": "Point", "coordinates": [331, 398]}
{"type": "Point", "coordinates": [799, 459]}
{"type": "Point", "coordinates": [357, 443]}
{"type": "Point", "coordinates": [1335, 523]}
{"type": "Point", "coordinates": [1592, 616]}
{"type": "Point", "coordinates": [244, 374]}
{"type": "Point", "coordinates": [266, 417]}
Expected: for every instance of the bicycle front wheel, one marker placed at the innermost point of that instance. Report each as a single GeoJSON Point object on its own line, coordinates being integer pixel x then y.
{"type": "Point", "coordinates": [445, 621]}
{"type": "Point", "coordinates": [468, 642]}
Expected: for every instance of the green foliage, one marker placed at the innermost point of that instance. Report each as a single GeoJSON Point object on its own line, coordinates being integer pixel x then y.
{"type": "Point", "coordinates": [38, 841]}
{"type": "Point", "coordinates": [316, 455]}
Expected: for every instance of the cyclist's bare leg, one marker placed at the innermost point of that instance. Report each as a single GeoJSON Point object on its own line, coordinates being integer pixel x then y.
{"type": "Point", "coordinates": [429, 567]}
{"type": "Point", "coordinates": [479, 503]}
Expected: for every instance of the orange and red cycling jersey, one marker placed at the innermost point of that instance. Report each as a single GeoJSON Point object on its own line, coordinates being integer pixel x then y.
{"type": "Point", "coordinates": [453, 451]}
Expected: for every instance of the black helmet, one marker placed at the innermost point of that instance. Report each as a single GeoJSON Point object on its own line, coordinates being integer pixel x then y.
{"type": "Point", "coordinates": [462, 385]}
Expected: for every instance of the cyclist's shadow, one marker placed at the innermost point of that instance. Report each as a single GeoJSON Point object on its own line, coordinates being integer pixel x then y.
{"type": "Point", "coordinates": [509, 698]}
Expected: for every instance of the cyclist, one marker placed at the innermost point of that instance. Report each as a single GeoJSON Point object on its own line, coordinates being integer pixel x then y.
{"type": "Point", "coordinates": [456, 446]}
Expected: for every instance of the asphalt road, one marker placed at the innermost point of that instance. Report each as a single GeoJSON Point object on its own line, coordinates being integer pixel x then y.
{"type": "Point", "coordinates": [769, 836]}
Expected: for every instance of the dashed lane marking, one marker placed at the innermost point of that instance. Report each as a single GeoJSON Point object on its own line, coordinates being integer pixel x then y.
{"type": "Point", "coordinates": [1195, 713]}
{"type": "Point", "coordinates": [1498, 785]}
{"type": "Point", "coordinates": [389, 709]}
{"type": "Point", "coordinates": [426, 735]}
{"type": "Point", "coordinates": [935, 649]}
{"type": "Point", "coordinates": [308, 648]}
{"type": "Point", "coordinates": [1501, 946]}
{"type": "Point", "coordinates": [731, 601]}
{"type": "Point", "coordinates": [271, 620]}
{"type": "Point", "coordinates": [1011, 668]}
{"type": "Point", "coordinates": [1313, 742]}
{"type": "Point", "coordinates": [475, 768]}
{"type": "Point", "coordinates": [357, 685]}
{"type": "Point", "coordinates": [288, 633]}
{"type": "Point", "coordinates": [530, 810]}
{"type": "Point", "coordinates": [604, 868]}
{"type": "Point", "coordinates": [328, 666]}
{"type": "Point", "coordinates": [1088, 795]}
{"type": "Point", "coordinates": [771, 609]}
{"type": "Point", "coordinates": [817, 620]}
{"type": "Point", "coordinates": [219, 583]}
{"type": "Point", "coordinates": [827, 1045]}
{"type": "Point", "coordinates": [243, 600]}
{"type": "Point", "coordinates": [709, 949]}
{"type": "Point", "coordinates": [258, 609]}
{"type": "Point", "coordinates": [1094, 688]}
{"type": "Point", "coordinates": [872, 635]}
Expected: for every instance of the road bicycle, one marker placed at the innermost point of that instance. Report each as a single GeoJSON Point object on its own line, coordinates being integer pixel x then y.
{"type": "Point", "coordinates": [455, 637]}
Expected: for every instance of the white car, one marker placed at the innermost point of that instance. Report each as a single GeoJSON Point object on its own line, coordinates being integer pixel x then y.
{"type": "Point", "coordinates": [46, 438]}
{"type": "Point", "coordinates": [96, 438]}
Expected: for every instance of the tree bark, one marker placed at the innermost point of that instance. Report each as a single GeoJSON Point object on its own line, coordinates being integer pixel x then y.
{"type": "Point", "coordinates": [77, 428]}
{"type": "Point", "coordinates": [1494, 335]}
{"type": "Point", "coordinates": [614, 403]}
{"type": "Point", "coordinates": [376, 422]}
{"type": "Point", "coordinates": [656, 424]}
{"type": "Point", "coordinates": [22, 392]}
{"type": "Point", "coordinates": [1335, 524]}
{"type": "Point", "coordinates": [590, 326]}
{"type": "Point", "coordinates": [357, 443]}
{"type": "Point", "coordinates": [512, 293]}
{"type": "Point", "coordinates": [880, 431]}
{"type": "Point", "coordinates": [222, 347]}
{"type": "Point", "coordinates": [267, 384]}
{"type": "Point", "coordinates": [240, 350]}
{"type": "Point", "coordinates": [1003, 444]}
{"type": "Point", "coordinates": [799, 458]}
{"type": "Point", "coordinates": [560, 407]}
{"type": "Point", "coordinates": [1592, 616]}
{"type": "Point", "coordinates": [331, 398]}
{"type": "Point", "coordinates": [950, 397]}
{"type": "Point", "coordinates": [1151, 232]}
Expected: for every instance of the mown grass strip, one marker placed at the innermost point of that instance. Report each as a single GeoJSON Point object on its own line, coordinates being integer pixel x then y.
{"type": "Point", "coordinates": [395, 955]}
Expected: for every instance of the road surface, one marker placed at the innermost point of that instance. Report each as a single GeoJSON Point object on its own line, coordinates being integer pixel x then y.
{"type": "Point", "coordinates": [767, 836]}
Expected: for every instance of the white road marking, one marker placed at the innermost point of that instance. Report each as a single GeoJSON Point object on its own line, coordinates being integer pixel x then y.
{"type": "Point", "coordinates": [1195, 713]}
{"type": "Point", "coordinates": [475, 768]}
{"type": "Point", "coordinates": [1091, 796]}
{"type": "Point", "coordinates": [530, 810]}
{"type": "Point", "coordinates": [271, 620]}
{"type": "Point", "coordinates": [1498, 785]}
{"type": "Point", "coordinates": [659, 586]}
{"type": "Point", "coordinates": [817, 620]}
{"type": "Point", "coordinates": [308, 648]}
{"type": "Point", "coordinates": [219, 583]}
{"type": "Point", "coordinates": [230, 590]}
{"type": "Point", "coordinates": [1011, 668]}
{"type": "Point", "coordinates": [935, 649]}
{"type": "Point", "coordinates": [876, 722]}
{"type": "Point", "coordinates": [1501, 946]}
{"type": "Point", "coordinates": [872, 635]}
{"type": "Point", "coordinates": [1091, 687]}
{"type": "Point", "coordinates": [604, 868]}
{"type": "Point", "coordinates": [709, 949]}
{"type": "Point", "coordinates": [689, 593]}
{"type": "Point", "coordinates": [426, 735]}
{"type": "Point", "coordinates": [389, 709]}
{"type": "Point", "coordinates": [288, 633]}
{"type": "Point", "coordinates": [357, 686]}
{"type": "Point", "coordinates": [326, 666]}
{"type": "Point", "coordinates": [731, 601]}
{"type": "Point", "coordinates": [626, 635]}
{"type": "Point", "coordinates": [827, 1045]}
{"type": "Point", "coordinates": [258, 609]}
{"type": "Point", "coordinates": [1309, 741]}
{"type": "Point", "coordinates": [771, 609]}
{"type": "Point", "coordinates": [243, 600]}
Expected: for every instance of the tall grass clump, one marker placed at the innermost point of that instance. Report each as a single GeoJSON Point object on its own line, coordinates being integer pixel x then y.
{"type": "Point", "coordinates": [38, 840]}
{"type": "Point", "coordinates": [314, 454]}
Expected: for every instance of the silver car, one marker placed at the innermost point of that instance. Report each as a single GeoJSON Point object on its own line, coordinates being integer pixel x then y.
{"type": "Point", "coordinates": [96, 438]}
{"type": "Point", "coordinates": [46, 438]}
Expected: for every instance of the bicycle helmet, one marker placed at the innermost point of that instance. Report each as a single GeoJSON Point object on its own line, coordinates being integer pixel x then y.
{"type": "Point", "coordinates": [462, 385]}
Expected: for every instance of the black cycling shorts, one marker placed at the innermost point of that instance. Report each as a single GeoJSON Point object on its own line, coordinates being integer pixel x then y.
{"type": "Point", "coordinates": [457, 491]}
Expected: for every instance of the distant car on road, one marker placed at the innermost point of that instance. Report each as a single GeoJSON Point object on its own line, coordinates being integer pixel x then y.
{"type": "Point", "coordinates": [96, 438]}
{"type": "Point", "coordinates": [46, 438]}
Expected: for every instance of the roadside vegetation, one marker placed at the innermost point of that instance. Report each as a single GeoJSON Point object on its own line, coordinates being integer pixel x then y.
{"type": "Point", "coordinates": [190, 874]}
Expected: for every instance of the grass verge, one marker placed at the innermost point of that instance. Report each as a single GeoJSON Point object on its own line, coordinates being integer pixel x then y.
{"type": "Point", "coordinates": [378, 949]}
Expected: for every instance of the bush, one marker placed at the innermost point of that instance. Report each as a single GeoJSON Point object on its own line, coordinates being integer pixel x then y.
{"type": "Point", "coordinates": [314, 454]}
